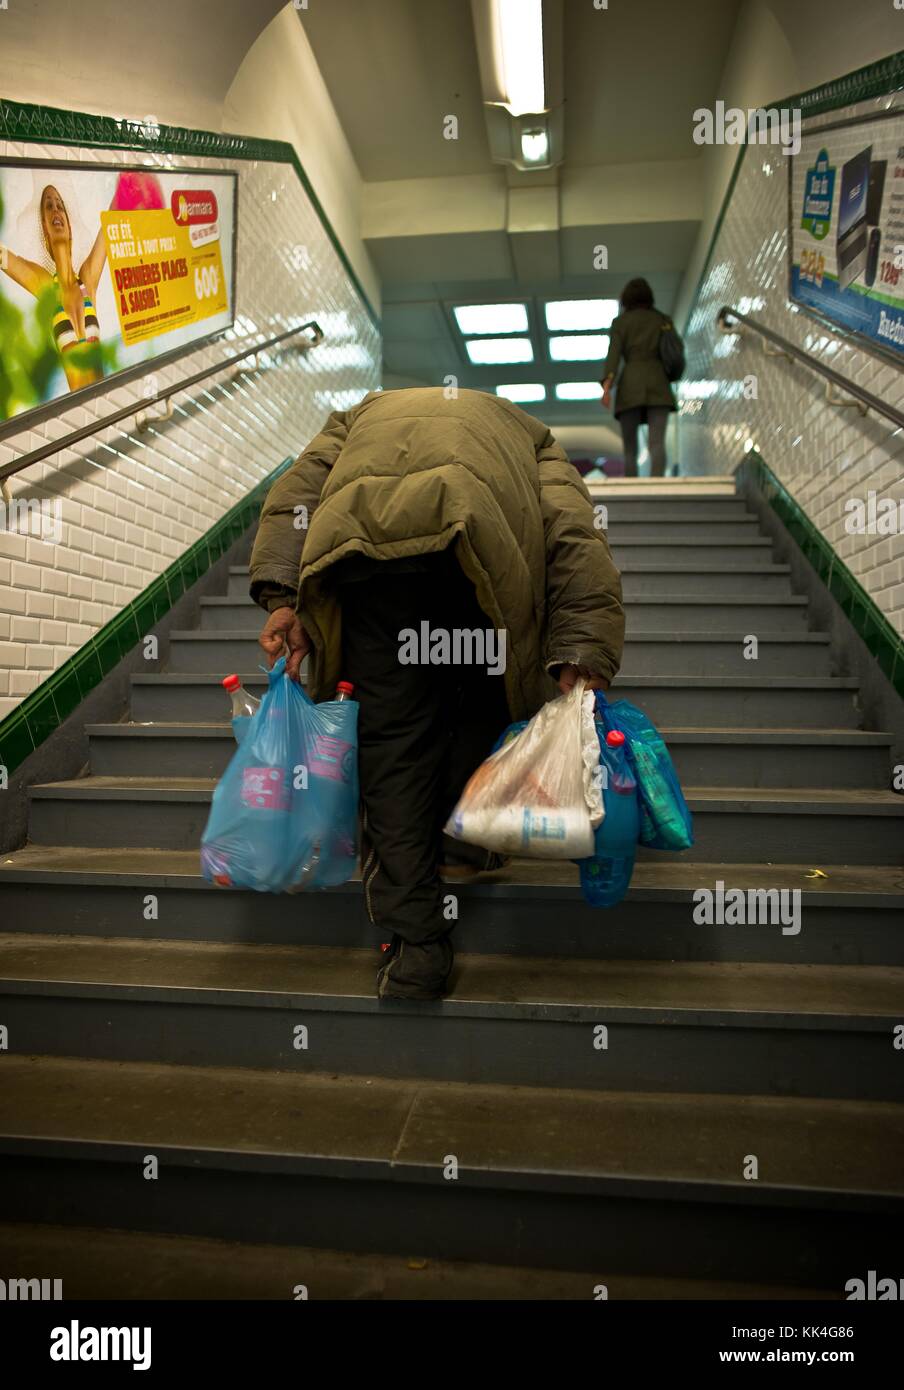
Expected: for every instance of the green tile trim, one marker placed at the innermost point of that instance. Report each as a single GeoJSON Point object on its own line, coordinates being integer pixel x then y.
{"type": "Point", "coordinates": [876, 79]}
{"type": "Point", "coordinates": [883, 640]}
{"type": "Point", "coordinates": [43, 711]}
{"type": "Point", "coordinates": [50, 125]}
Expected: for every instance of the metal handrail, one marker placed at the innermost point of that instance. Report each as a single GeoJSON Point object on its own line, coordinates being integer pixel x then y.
{"type": "Point", "coordinates": [136, 408]}
{"type": "Point", "coordinates": [865, 400]}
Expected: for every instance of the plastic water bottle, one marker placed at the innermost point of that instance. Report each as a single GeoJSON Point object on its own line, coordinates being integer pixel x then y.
{"type": "Point", "coordinates": [331, 765]}
{"type": "Point", "coordinates": [606, 876]}
{"type": "Point", "coordinates": [244, 706]}
{"type": "Point", "coordinates": [263, 788]}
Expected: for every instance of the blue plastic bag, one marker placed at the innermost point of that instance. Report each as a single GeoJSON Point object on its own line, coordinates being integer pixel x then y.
{"type": "Point", "coordinates": [285, 812]}
{"type": "Point", "coordinates": [665, 819]}
{"type": "Point", "coordinates": [606, 875]}
{"type": "Point", "coordinates": [508, 734]}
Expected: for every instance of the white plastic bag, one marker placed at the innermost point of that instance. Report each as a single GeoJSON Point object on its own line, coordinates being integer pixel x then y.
{"type": "Point", "coordinates": [539, 795]}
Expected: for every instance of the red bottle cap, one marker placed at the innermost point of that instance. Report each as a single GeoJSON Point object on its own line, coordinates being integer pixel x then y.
{"type": "Point", "coordinates": [345, 686]}
{"type": "Point", "coordinates": [615, 738]}
{"type": "Point", "coordinates": [231, 683]}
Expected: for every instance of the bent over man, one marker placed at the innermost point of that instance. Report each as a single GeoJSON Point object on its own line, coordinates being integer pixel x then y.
{"type": "Point", "coordinates": [442, 555]}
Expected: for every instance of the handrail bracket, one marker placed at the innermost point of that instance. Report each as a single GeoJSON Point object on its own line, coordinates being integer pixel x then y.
{"type": "Point", "coordinates": [834, 399]}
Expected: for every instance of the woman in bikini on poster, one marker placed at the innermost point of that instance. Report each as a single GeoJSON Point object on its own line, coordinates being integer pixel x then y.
{"type": "Point", "coordinates": [75, 328]}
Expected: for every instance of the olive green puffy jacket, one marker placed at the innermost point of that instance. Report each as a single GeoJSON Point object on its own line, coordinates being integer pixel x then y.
{"type": "Point", "coordinates": [410, 472]}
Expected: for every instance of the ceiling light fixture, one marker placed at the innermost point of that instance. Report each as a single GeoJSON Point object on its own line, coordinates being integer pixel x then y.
{"type": "Point", "coordinates": [579, 347]}
{"type": "Point", "coordinates": [491, 318]}
{"type": "Point", "coordinates": [535, 146]}
{"type": "Point", "coordinates": [518, 54]}
{"type": "Point", "coordinates": [577, 315]}
{"type": "Point", "coordinates": [488, 351]}
{"type": "Point", "coordinates": [522, 391]}
{"type": "Point", "coordinates": [520, 50]}
{"type": "Point", "coordinates": [578, 391]}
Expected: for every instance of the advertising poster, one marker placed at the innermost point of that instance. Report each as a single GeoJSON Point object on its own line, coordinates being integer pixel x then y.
{"type": "Point", "coordinates": [102, 269]}
{"type": "Point", "coordinates": [846, 235]}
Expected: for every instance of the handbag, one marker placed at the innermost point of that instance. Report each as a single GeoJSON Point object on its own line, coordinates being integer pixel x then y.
{"type": "Point", "coordinates": [671, 351]}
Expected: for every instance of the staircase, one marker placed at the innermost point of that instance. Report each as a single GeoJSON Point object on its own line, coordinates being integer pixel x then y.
{"type": "Point", "coordinates": [736, 1132]}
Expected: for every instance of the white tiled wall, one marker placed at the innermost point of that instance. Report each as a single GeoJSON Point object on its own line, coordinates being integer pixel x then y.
{"type": "Point", "coordinates": [824, 454]}
{"type": "Point", "coordinates": [131, 502]}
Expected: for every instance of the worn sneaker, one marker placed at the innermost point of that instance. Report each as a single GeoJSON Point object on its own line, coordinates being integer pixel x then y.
{"type": "Point", "coordinates": [415, 971]}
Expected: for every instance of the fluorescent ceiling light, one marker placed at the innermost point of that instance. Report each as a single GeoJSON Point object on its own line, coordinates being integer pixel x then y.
{"type": "Point", "coordinates": [523, 391]}
{"type": "Point", "coordinates": [535, 146]}
{"type": "Point", "coordinates": [486, 351]}
{"type": "Point", "coordinates": [580, 347]}
{"type": "Point", "coordinates": [491, 318]}
{"type": "Point", "coordinates": [519, 55]}
{"type": "Point", "coordinates": [578, 390]}
{"type": "Point", "coordinates": [575, 315]}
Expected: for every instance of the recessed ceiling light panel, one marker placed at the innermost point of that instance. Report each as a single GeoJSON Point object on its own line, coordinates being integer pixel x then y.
{"type": "Point", "coordinates": [579, 347]}
{"type": "Point", "coordinates": [578, 390]}
{"type": "Point", "coordinates": [487, 351]}
{"type": "Point", "coordinates": [491, 318]}
{"type": "Point", "coordinates": [579, 315]}
{"type": "Point", "coordinates": [522, 391]}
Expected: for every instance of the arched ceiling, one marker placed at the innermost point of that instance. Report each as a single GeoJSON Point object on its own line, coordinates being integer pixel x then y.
{"type": "Point", "coordinates": [173, 59]}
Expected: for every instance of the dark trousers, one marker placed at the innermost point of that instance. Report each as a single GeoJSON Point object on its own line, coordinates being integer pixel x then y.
{"type": "Point", "coordinates": [657, 417]}
{"type": "Point", "coordinates": [422, 731]}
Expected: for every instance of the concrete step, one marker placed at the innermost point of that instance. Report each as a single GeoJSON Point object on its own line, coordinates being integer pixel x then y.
{"type": "Point", "coordinates": [363, 1163]}
{"type": "Point", "coordinates": [707, 654]}
{"type": "Point", "coordinates": [687, 485]}
{"type": "Point", "coordinates": [239, 581]}
{"type": "Point", "coordinates": [696, 613]}
{"type": "Point", "coordinates": [775, 824]}
{"type": "Point", "coordinates": [94, 1263]}
{"type": "Point", "coordinates": [666, 525]}
{"type": "Point", "coordinates": [703, 757]}
{"type": "Point", "coordinates": [731, 824]}
{"type": "Point", "coordinates": [757, 550]}
{"type": "Point", "coordinates": [727, 1027]}
{"type": "Point", "coordinates": [698, 483]}
{"type": "Point", "coordinates": [673, 507]}
{"type": "Point", "coordinates": [753, 701]}
{"type": "Point", "coordinates": [677, 612]}
{"type": "Point", "coordinates": [647, 654]}
{"type": "Point", "coordinates": [852, 915]}
{"type": "Point", "coordinates": [214, 652]}
{"type": "Point", "coordinates": [789, 758]}
{"type": "Point", "coordinates": [740, 580]}
{"type": "Point", "coordinates": [189, 696]}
